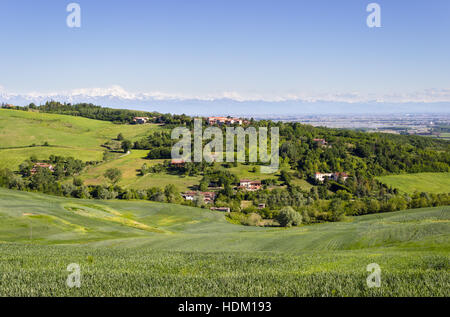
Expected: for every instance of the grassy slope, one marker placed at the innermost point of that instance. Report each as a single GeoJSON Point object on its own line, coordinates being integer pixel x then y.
{"type": "Point", "coordinates": [57, 220]}
{"type": "Point", "coordinates": [421, 182]}
{"type": "Point", "coordinates": [68, 136]}
{"type": "Point", "coordinates": [144, 248]}
{"type": "Point", "coordinates": [129, 165]}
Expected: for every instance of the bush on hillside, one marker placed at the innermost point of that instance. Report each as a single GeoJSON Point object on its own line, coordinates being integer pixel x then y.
{"type": "Point", "coordinates": [288, 217]}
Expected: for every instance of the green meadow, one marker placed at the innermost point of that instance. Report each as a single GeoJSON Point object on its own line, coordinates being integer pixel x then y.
{"type": "Point", "coordinates": [130, 165]}
{"type": "Point", "coordinates": [67, 136]}
{"type": "Point", "coordinates": [420, 182]}
{"type": "Point", "coordinates": [139, 248]}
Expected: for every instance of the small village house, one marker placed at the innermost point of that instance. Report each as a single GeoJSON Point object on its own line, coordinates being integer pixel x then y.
{"type": "Point", "coordinates": [140, 120]}
{"type": "Point", "coordinates": [249, 185]}
{"type": "Point", "coordinates": [321, 142]}
{"type": "Point", "coordinates": [223, 120]}
{"type": "Point", "coordinates": [177, 162]}
{"type": "Point", "coordinates": [334, 176]}
{"type": "Point", "coordinates": [208, 197]}
{"type": "Point", "coordinates": [224, 209]}
{"type": "Point", "coordinates": [36, 166]}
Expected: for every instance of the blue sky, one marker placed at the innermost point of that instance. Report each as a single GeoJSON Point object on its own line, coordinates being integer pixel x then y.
{"type": "Point", "coordinates": [238, 49]}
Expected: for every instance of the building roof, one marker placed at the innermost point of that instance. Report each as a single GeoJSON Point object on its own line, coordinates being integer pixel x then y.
{"type": "Point", "coordinates": [42, 164]}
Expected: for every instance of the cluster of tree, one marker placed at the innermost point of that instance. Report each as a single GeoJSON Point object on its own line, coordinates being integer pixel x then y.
{"type": "Point", "coordinates": [88, 110]}
{"type": "Point", "coordinates": [366, 154]}
{"type": "Point", "coordinates": [91, 111]}
{"type": "Point", "coordinates": [61, 166]}
{"type": "Point", "coordinates": [43, 180]}
{"type": "Point", "coordinates": [328, 201]}
{"type": "Point", "coordinates": [314, 211]}
{"type": "Point", "coordinates": [159, 143]}
{"type": "Point", "coordinates": [189, 168]}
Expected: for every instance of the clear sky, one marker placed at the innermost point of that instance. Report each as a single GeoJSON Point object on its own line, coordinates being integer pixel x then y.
{"type": "Point", "coordinates": [242, 48]}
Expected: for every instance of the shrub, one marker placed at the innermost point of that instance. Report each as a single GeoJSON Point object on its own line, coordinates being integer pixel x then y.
{"type": "Point", "coordinates": [77, 182]}
{"type": "Point", "coordinates": [288, 217]}
{"type": "Point", "coordinates": [253, 220]}
{"type": "Point", "coordinates": [113, 174]}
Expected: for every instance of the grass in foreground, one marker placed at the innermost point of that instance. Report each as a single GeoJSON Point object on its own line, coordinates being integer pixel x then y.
{"type": "Point", "coordinates": [150, 249]}
{"type": "Point", "coordinates": [41, 271]}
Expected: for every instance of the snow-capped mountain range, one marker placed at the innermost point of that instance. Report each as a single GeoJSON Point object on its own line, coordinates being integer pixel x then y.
{"type": "Point", "coordinates": [431, 100]}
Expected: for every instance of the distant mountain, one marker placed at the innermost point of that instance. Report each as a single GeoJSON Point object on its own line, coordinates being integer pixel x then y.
{"type": "Point", "coordinates": [116, 97]}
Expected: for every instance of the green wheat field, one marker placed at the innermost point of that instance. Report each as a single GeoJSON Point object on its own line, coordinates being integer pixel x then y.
{"type": "Point", "coordinates": [142, 248]}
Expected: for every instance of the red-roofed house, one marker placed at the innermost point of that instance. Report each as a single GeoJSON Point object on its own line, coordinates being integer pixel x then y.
{"type": "Point", "coordinates": [177, 162]}
{"type": "Point", "coordinates": [249, 185]}
{"type": "Point", "coordinates": [140, 120]}
{"type": "Point", "coordinates": [223, 120]}
{"type": "Point", "coordinates": [321, 142]}
{"type": "Point", "coordinates": [41, 165]}
{"type": "Point", "coordinates": [209, 197]}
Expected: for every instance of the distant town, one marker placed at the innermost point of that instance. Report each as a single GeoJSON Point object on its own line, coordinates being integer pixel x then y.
{"type": "Point", "coordinates": [433, 125]}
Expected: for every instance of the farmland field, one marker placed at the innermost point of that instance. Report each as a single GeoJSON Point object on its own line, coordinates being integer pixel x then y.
{"type": "Point", "coordinates": [172, 250]}
{"type": "Point", "coordinates": [420, 182]}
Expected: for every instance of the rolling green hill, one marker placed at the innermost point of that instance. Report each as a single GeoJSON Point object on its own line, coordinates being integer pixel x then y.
{"type": "Point", "coordinates": [152, 249]}
{"type": "Point", "coordinates": [67, 136]}
{"type": "Point", "coordinates": [60, 220]}
{"type": "Point", "coordinates": [142, 248]}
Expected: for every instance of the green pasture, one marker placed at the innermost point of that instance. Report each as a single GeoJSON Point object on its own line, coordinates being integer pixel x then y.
{"type": "Point", "coordinates": [67, 135]}
{"type": "Point", "coordinates": [420, 182]}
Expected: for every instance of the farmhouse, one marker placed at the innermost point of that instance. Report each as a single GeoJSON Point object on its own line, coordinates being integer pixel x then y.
{"type": "Point", "coordinates": [321, 142]}
{"type": "Point", "coordinates": [36, 166]}
{"type": "Point", "coordinates": [334, 176]}
{"type": "Point", "coordinates": [224, 209]}
{"type": "Point", "coordinates": [249, 185]}
{"type": "Point", "coordinates": [209, 197]}
{"type": "Point", "coordinates": [140, 120]}
{"type": "Point", "coordinates": [177, 162]}
{"type": "Point", "coordinates": [223, 120]}
{"type": "Point", "coordinates": [343, 175]}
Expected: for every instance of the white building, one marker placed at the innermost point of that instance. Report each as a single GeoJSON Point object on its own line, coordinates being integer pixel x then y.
{"type": "Point", "coordinates": [334, 176]}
